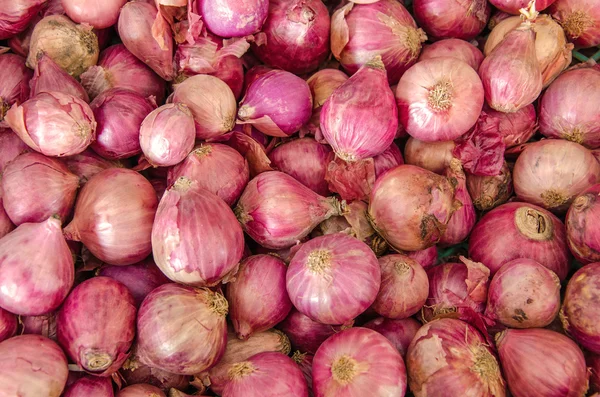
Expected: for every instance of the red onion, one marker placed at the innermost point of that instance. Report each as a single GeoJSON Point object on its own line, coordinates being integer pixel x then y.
{"type": "Point", "coordinates": [277, 211]}
{"type": "Point", "coordinates": [53, 123]}
{"type": "Point", "coordinates": [593, 362]}
{"type": "Point", "coordinates": [488, 192]}
{"type": "Point", "coordinates": [16, 16]}
{"type": "Point", "coordinates": [134, 372]}
{"type": "Point", "coordinates": [453, 48]}
{"type": "Point", "coordinates": [252, 148]}
{"type": "Point", "coordinates": [135, 28]}
{"type": "Point", "coordinates": [520, 230]}
{"type": "Point", "coordinates": [449, 357]}
{"type": "Point", "coordinates": [186, 317]}
{"type": "Point", "coordinates": [214, 167]}
{"type": "Point", "coordinates": [439, 99]}
{"type": "Point", "coordinates": [360, 32]}
{"type": "Point", "coordinates": [196, 239]}
{"type": "Point", "coordinates": [15, 81]}
{"type": "Point", "coordinates": [513, 6]}
{"type": "Point", "coordinates": [87, 164]}
{"type": "Point", "coordinates": [50, 77]}
{"type": "Point", "coordinates": [334, 278]}
{"type": "Point", "coordinates": [113, 217]}
{"type": "Point", "coordinates": [304, 362]}
{"type": "Point", "coordinates": [141, 390]}
{"type": "Point", "coordinates": [250, 313]}
{"type": "Point", "coordinates": [463, 219]}
{"type": "Point", "coordinates": [296, 35]}
{"type": "Point", "coordinates": [516, 128]}
{"type": "Point", "coordinates": [388, 159]}
{"type": "Point", "coordinates": [432, 156]}
{"type": "Point", "coordinates": [358, 362]}
{"type": "Point", "coordinates": [44, 325]}
{"type": "Point", "coordinates": [480, 153]}
{"type": "Point", "coordinates": [90, 386]}
{"type": "Point", "coordinates": [581, 226]}
{"type": "Point", "coordinates": [229, 18]}
{"type": "Point", "coordinates": [541, 179]}
{"type": "Point", "coordinates": [10, 147]}
{"type": "Point", "coordinates": [399, 332]}
{"type": "Point", "coordinates": [99, 14]}
{"type": "Point", "coordinates": [272, 113]}
{"type": "Point", "coordinates": [82, 325]}
{"type": "Point", "coordinates": [304, 333]}
{"type": "Point", "coordinates": [426, 258]}
{"type": "Point", "coordinates": [540, 362]}
{"type": "Point", "coordinates": [8, 324]}
{"type": "Point", "coordinates": [579, 19]}
{"type": "Point", "coordinates": [32, 366]}
{"type": "Point", "coordinates": [403, 189]}
{"type": "Point", "coordinates": [37, 187]}
{"type": "Point", "coordinates": [322, 84]}
{"type": "Point", "coordinates": [452, 19]}
{"type": "Point", "coordinates": [119, 68]}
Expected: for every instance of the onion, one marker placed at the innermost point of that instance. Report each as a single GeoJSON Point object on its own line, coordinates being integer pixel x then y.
{"type": "Point", "coordinates": [32, 366]}
{"type": "Point", "coordinates": [266, 108]}
{"type": "Point", "coordinates": [593, 362]}
{"type": "Point", "coordinates": [462, 221]}
{"type": "Point", "coordinates": [16, 16]}
{"type": "Point", "coordinates": [113, 216]}
{"type": "Point", "coordinates": [403, 189]}
{"type": "Point", "coordinates": [488, 192]}
{"type": "Point", "coordinates": [516, 128]}
{"type": "Point", "coordinates": [251, 147]}
{"type": "Point", "coordinates": [322, 84]}
{"type": "Point", "coordinates": [427, 258]}
{"type": "Point", "coordinates": [399, 332]}
{"type": "Point", "coordinates": [53, 123]}
{"type": "Point", "coordinates": [231, 18]}
{"type": "Point", "coordinates": [304, 362]}
{"type": "Point", "coordinates": [82, 325]}
{"type": "Point", "coordinates": [296, 35]}
{"type": "Point", "coordinates": [44, 325]}
{"type": "Point", "coordinates": [579, 19]}
{"type": "Point", "coordinates": [358, 362]}
{"type": "Point", "coordinates": [10, 147]}
{"type": "Point", "coordinates": [513, 6]}
{"type": "Point", "coordinates": [305, 334]}
{"type": "Point", "coordinates": [134, 372]}
{"type": "Point", "coordinates": [448, 357]}
{"type": "Point", "coordinates": [334, 278]}
{"type": "Point", "coordinates": [453, 48]}
{"type": "Point", "coordinates": [551, 173]}
{"type": "Point", "coordinates": [520, 230]}
{"type": "Point", "coordinates": [90, 386]}
{"type": "Point", "coordinates": [50, 77]}
{"type": "Point", "coordinates": [196, 239]}
{"type": "Point", "coordinates": [360, 32]}
{"type": "Point", "coordinates": [581, 226]}
{"type": "Point", "coordinates": [8, 324]}
{"type": "Point", "coordinates": [99, 14]}
{"type": "Point", "coordinates": [182, 329]}
{"type": "Point", "coordinates": [540, 362]}
{"type": "Point", "coordinates": [480, 153]}
{"type": "Point", "coordinates": [432, 156]}
{"type": "Point", "coordinates": [87, 164]}
{"type": "Point", "coordinates": [119, 68]}
{"type": "Point", "coordinates": [439, 99]}
{"type": "Point", "coordinates": [250, 313]}
{"type": "Point", "coordinates": [15, 81]}
{"type": "Point", "coordinates": [277, 211]}
{"type": "Point", "coordinates": [141, 390]}
{"type": "Point", "coordinates": [452, 19]}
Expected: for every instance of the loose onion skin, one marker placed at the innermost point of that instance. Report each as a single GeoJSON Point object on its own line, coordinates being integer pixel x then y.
{"type": "Point", "coordinates": [399, 332]}
{"type": "Point", "coordinates": [516, 128]}
{"type": "Point", "coordinates": [90, 386]}
{"type": "Point", "coordinates": [305, 334]}
{"type": "Point", "coordinates": [14, 83]}
{"type": "Point", "coordinates": [453, 48]}
{"type": "Point", "coordinates": [322, 84]}
{"type": "Point", "coordinates": [141, 390]}
{"type": "Point", "coordinates": [582, 236]}
{"type": "Point", "coordinates": [488, 192]}
{"type": "Point", "coordinates": [8, 324]}
{"type": "Point", "coordinates": [50, 77]}
{"type": "Point", "coordinates": [579, 19]}
{"type": "Point", "coordinates": [44, 325]}
{"type": "Point", "coordinates": [452, 19]}
{"type": "Point", "coordinates": [462, 221]}
{"type": "Point", "coordinates": [16, 16]}
{"type": "Point", "coordinates": [432, 156]}
{"type": "Point", "coordinates": [229, 18]}
{"type": "Point", "coordinates": [99, 14]}
{"type": "Point", "coordinates": [135, 372]}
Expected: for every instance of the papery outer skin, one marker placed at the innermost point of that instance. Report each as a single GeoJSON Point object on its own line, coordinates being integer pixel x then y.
{"type": "Point", "coordinates": [359, 32]}
{"type": "Point", "coordinates": [16, 15]}
{"type": "Point", "coordinates": [135, 372]}
{"type": "Point", "coordinates": [404, 287]}
{"type": "Point", "coordinates": [454, 48]}
{"type": "Point", "coordinates": [552, 172]}
{"type": "Point", "coordinates": [135, 29]}
{"type": "Point", "coordinates": [513, 6]}
{"type": "Point", "coordinates": [90, 386]}
{"type": "Point", "coordinates": [253, 308]}
{"type": "Point", "coordinates": [524, 294]}
{"type": "Point", "coordinates": [36, 187]}
{"type": "Point", "coordinates": [15, 83]}
{"type": "Point", "coordinates": [174, 317]}
{"type": "Point", "coordinates": [497, 238]}
{"type": "Point", "coordinates": [196, 239]}
{"type": "Point", "coordinates": [36, 268]}
{"type": "Point", "coordinates": [233, 18]}
{"type": "Point", "coordinates": [81, 325]}
{"type": "Point", "coordinates": [87, 164]}
{"type": "Point", "coordinates": [277, 211]}
{"type": "Point", "coordinates": [540, 362]}
{"type": "Point", "coordinates": [388, 159]}
{"type": "Point", "coordinates": [322, 84]}
{"type": "Point", "coordinates": [296, 34]}
{"type": "Point", "coordinates": [251, 148]}
{"type": "Point", "coordinates": [44, 325]}
{"type": "Point", "coordinates": [119, 68]}
{"type": "Point", "coordinates": [452, 19]}
{"type": "Point", "coordinates": [450, 357]}
{"type": "Point", "coordinates": [305, 334]}
{"type": "Point", "coordinates": [463, 219]}
{"type": "Point", "coordinates": [352, 180]}
{"type": "Point", "coordinates": [432, 156]}
{"type": "Point", "coordinates": [8, 324]}
{"type": "Point", "coordinates": [516, 128]}
{"type": "Point", "coordinates": [10, 147]}
{"type": "Point", "coordinates": [99, 14]}
{"type": "Point", "coordinates": [426, 258]}
{"type": "Point", "coordinates": [215, 167]}
{"type": "Point", "coordinates": [415, 188]}
{"type": "Point", "coordinates": [583, 239]}
{"type": "Point", "coordinates": [378, 367]}
{"type": "Point", "coordinates": [113, 217]}
{"type": "Point", "coordinates": [488, 192]}
{"type": "Point", "coordinates": [32, 366]}
{"type": "Point", "coordinates": [266, 108]}
{"type": "Point", "coordinates": [211, 102]}
{"type": "Point", "coordinates": [480, 152]}
{"type": "Point", "coordinates": [141, 390]}
{"type": "Point", "coordinates": [49, 77]}
{"type": "Point", "coordinates": [447, 116]}
{"type": "Point", "coordinates": [566, 108]}
{"type": "Point", "coordinates": [337, 285]}
{"type": "Point", "coordinates": [579, 19]}
{"type": "Point", "coordinates": [399, 332]}
{"type": "Point", "coordinates": [53, 123]}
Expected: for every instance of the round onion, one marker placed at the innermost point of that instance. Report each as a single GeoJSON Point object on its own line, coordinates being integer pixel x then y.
{"type": "Point", "coordinates": [233, 18]}
{"type": "Point", "coordinates": [134, 372]}
{"type": "Point", "coordinates": [581, 226]}
{"type": "Point", "coordinates": [432, 156]}
{"type": "Point", "coordinates": [488, 192]}
{"type": "Point", "coordinates": [452, 19]}
{"type": "Point", "coordinates": [49, 76]}
{"type": "Point", "coordinates": [305, 334]}
{"type": "Point", "coordinates": [516, 128]}
{"type": "Point", "coordinates": [90, 386]}
{"type": "Point", "coordinates": [453, 48]}
{"type": "Point", "coordinates": [10, 147]}
{"type": "Point", "coordinates": [579, 19]}
{"type": "Point", "coordinates": [462, 221]}
{"type": "Point", "coordinates": [141, 390]}
{"type": "Point", "coordinates": [15, 16]}
{"type": "Point", "coordinates": [8, 324]}
{"type": "Point", "coordinates": [99, 14]}
{"type": "Point", "coordinates": [426, 258]}
{"type": "Point", "coordinates": [399, 332]}
{"type": "Point", "coordinates": [15, 81]}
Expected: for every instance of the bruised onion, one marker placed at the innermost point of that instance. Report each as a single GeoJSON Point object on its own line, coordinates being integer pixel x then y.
{"type": "Point", "coordinates": [452, 19]}
{"type": "Point", "coordinates": [98, 14]}
{"type": "Point", "coordinates": [90, 386]}
{"type": "Point", "coordinates": [579, 19]}
{"type": "Point", "coordinates": [581, 226]}
{"type": "Point", "coordinates": [453, 48]}
{"type": "Point", "coordinates": [15, 80]}
{"type": "Point", "coordinates": [432, 156]}
{"type": "Point", "coordinates": [488, 192]}
{"type": "Point", "coordinates": [230, 18]}
{"type": "Point", "coordinates": [515, 128]}
{"type": "Point", "coordinates": [141, 390]}
{"type": "Point", "coordinates": [399, 332]}
{"type": "Point", "coordinates": [305, 334]}
{"type": "Point", "coordinates": [50, 77]}
{"type": "Point", "coordinates": [462, 221]}
{"type": "Point", "coordinates": [87, 164]}
{"type": "Point", "coordinates": [17, 15]}
{"type": "Point", "coordinates": [8, 324]}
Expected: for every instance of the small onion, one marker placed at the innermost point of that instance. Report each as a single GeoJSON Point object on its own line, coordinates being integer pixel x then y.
{"type": "Point", "coordinates": [488, 192]}
{"type": "Point", "coordinates": [453, 48]}
{"type": "Point", "coordinates": [15, 16]}
{"type": "Point", "coordinates": [463, 219]}
{"type": "Point", "coordinates": [15, 80]}
{"type": "Point", "coordinates": [584, 242]}
{"type": "Point", "coordinates": [8, 324]}
{"type": "Point", "coordinates": [141, 390]}
{"type": "Point", "coordinates": [516, 128]}
{"type": "Point", "coordinates": [399, 332]}
{"type": "Point", "coordinates": [305, 334]}
{"type": "Point", "coordinates": [99, 14]}
{"type": "Point", "coordinates": [452, 19]}
{"type": "Point", "coordinates": [49, 76]}
{"type": "Point", "coordinates": [87, 164]}
{"type": "Point", "coordinates": [233, 18]}
{"type": "Point", "coordinates": [90, 386]}
{"type": "Point", "coordinates": [579, 19]}
{"type": "Point", "coordinates": [432, 156]}
{"type": "Point", "coordinates": [426, 258]}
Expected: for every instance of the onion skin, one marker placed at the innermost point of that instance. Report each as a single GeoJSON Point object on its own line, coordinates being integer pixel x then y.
{"type": "Point", "coordinates": [17, 15]}
{"type": "Point", "coordinates": [141, 390]}
{"type": "Point", "coordinates": [528, 231]}
{"type": "Point", "coordinates": [15, 83]}
{"type": "Point", "coordinates": [10, 147]}
{"type": "Point", "coordinates": [399, 332]}
{"type": "Point", "coordinates": [99, 14]}
{"type": "Point", "coordinates": [488, 192]}
{"type": "Point", "coordinates": [452, 19]}
{"type": "Point", "coordinates": [134, 372]}
{"type": "Point", "coordinates": [304, 362]}
{"type": "Point", "coordinates": [32, 366]}
{"type": "Point", "coordinates": [228, 18]}
{"type": "Point", "coordinates": [454, 48]}
{"type": "Point", "coordinates": [8, 324]}
{"type": "Point", "coordinates": [582, 237]}
{"type": "Point", "coordinates": [463, 219]}
{"type": "Point", "coordinates": [305, 334]}
{"type": "Point", "coordinates": [432, 156]}
{"type": "Point", "coordinates": [579, 19]}
{"type": "Point", "coordinates": [322, 84]}
{"type": "Point", "coordinates": [49, 76]}
{"type": "Point", "coordinates": [540, 362]}
{"type": "Point", "coordinates": [185, 317]}
{"type": "Point", "coordinates": [90, 386]}
{"type": "Point", "coordinates": [593, 362]}
{"type": "Point", "coordinates": [516, 128]}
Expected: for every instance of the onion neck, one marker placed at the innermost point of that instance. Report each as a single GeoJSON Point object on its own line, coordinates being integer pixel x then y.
{"type": "Point", "coordinates": [582, 203]}
{"type": "Point", "coordinates": [95, 361]}
{"type": "Point", "coordinates": [217, 302]}
{"type": "Point", "coordinates": [242, 216]}
{"type": "Point", "coordinates": [534, 224]}
{"type": "Point", "coordinates": [298, 357]}
{"type": "Point", "coordinates": [284, 341]}
{"type": "Point", "coordinates": [576, 23]}
{"type": "Point", "coordinates": [339, 208]}
{"type": "Point", "coordinates": [319, 261]}
{"type": "Point", "coordinates": [240, 370]}
{"type": "Point", "coordinates": [182, 184]}
{"type": "Point", "coordinates": [344, 369]}
{"type": "Point", "coordinates": [485, 364]}
{"type": "Point", "coordinates": [245, 112]}
{"type": "Point", "coordinates": [71, 233]}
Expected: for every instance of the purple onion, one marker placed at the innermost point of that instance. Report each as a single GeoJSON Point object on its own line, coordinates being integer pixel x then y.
{"type": "Point", "coordinates": [87, 164]}
{"type": "Point", "coordinates": [141, 390]}
{"type": "Point", "coordinates": [48, 76]}
{"type": "Point", "coordinates": [44, 325]}
{"type": "Point", "coordinates": [454, 48]}
{"type": "Point", "coordinates": [233, 18]}
{"type": "Point", "coordinates": [8, 324]}
{"type": "Point", "coordinates": [304, 333]}
{"type": "Point", "coordinates": [89, 386]}
{"type": "Point", "coordinates": [399, 332]}
{"type": "Point", "coordinates": [10, 147]}
{"type": "Point", "coordinates": [15, 80]}
{"type": "Point", "coordinates": [426, 258]}
{"type": "Point", "coordinates": [15, 16]}
{"type": "Point", "coordinates": [135, 372]}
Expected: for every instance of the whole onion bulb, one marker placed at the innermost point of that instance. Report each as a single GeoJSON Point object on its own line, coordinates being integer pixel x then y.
{"type": "Point", "coordinates": [90, 386]}
{"type": "Point", "coordinates": [488, 192]}
{"type": "Point", "coordinates": [581, 226]}
{"type": "Point", "coordinates": [513, 6]}
{"type": "Point", "coordinates": [16, 16]}
{"type": "Point", "coordinates": [322, 84]}
{"type": "Point", "coordinates": [141, 390]}
{"type": "Point", "coordinates": [579, 19]}
{"type": "Point", "coordinates": [516, 128]}
{"type": "Point", "coordinates": [14, 83]}
{"type": "Point", "coordinates": [8, 324]}
{"type": "Point", "coordinates": [399, 332]}
{"type": "Point", "coordinates": [99, 14]}
{"type": "Point", "coordinates": [304, 333]}
{"type": "Point", "coordinates": [453, 48]}
{"type": "Point", "coordinates": [452, 19]}
{"type": "Point", "coordinates": [432, 156]}
{"type": "Point", "coordinates": [49, 76]}
{"type": "Point", "coordinates": [231, 18]}
{"type": "Point", "coordinates": [462, 221]}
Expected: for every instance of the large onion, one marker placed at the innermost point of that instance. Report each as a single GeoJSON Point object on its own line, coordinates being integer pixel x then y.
{"type": "Point", "coordinates": [582, 229]}
{"type": "Point", "coordinates": [8, 324]}
{"type": "Point", "coordinates": [580, 20]}
{"type": "Point", "coordinates": [432, 156]}
{"type": "Point", "coordinates": [99, 14]}
{"type": "Point", "coordinates": [233, 18]}
{"type": "Point", "coordinates": [16, 77]}
{"type": "Point", "coordinates": [15, 16]}
{"type": "Point", "coordinates": [453, 48]}
{"type": "Point", "coordinates": [452, 19]}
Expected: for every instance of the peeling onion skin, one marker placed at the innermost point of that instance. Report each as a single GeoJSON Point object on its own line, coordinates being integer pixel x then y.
{"type": "Point", "coordinates": [399, 332]}
{"type": "Point", "coordinates": [141, 390]}
{"type": "Point", "coordinates": [464, 218]}
{"type": "Point", "coordinates": [135, 372]}
{"type": "Point", "coordinates": [581, 224]}
{"type": "Point", "coordinates": [516, 128]}
{"type": "Point", "coordinates": [454, 48]}
{"type": "Point", "coordinates": [8, 324]}
{"type": "Point", "coordinates": [233, 18]}
{"type": "Point", "coordinates": [579, 19]}
{"type": "Point", "coordinates": [49, 76]}
{"type": "Point", "coordinates": [90, 386]}
{"type": "Point", "coordinates": [452, 19]}
{"type": "Point", "coordinates": [488, 192]}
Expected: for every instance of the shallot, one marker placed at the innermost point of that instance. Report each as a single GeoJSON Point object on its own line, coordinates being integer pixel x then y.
{"type": "Point", "coordinates": [233, 18]}
{"type": "Point", "coordinates": [49, 76]}
{"type": "Point", "coordinates": [15, 16]}
{"type": "Point", "coordinates": [15, 81]}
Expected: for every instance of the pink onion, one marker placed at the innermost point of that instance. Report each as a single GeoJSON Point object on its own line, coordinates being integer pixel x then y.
{"type": "Point", "coordinates": [403, 189]}
{"type": "Point", "coordinates": [193, 323]}
{"type": "Point", "coordinates": [8, 324]}
{"type": "Point", "coordinates": [541, 362]}
{"type": "Point", "coordinates": [388, 159]}
{"type": "Point", "coordinates": [196, 239]}
{"type": "Point", "coordinates": [439, 99]}
{"type": "Point", "coordinates": [37, 187]}
{"type": "Point", "coordinates": [358, 362]}
{"type": "Point", "coordinates": [44, 325]}
{"type": "Point", "coordinates": [82, 325]}
{"type": "Point", "coordinates": [453, 48]}
{"type": "Point", "coordinates": [593, 362]}
{"type": "Point", "coordinates": [10, 147]}
{"type": "Point", "coordinates": [15, 81]}
{"type": "Point", "coordinates": [334, 278]}
{"type": "Point", "coordinates": [426, 258]}
{"type": "Point", "coordinates": [16, 15]}
{"type": "Point", "coordinates": [480, 153]}
{"type": "Point", "coordinates": [87, 164]}
{"type": "Point", "coordinates": [230, 18]}
{"type": "Point", "coordinates": [141, 390]}
{"type": "Point", "coordinates": [296, 35]}
{"type": "Point", "coordinates": [32, 366]}
{"type": "Point", "coordinates": [360, 32]}
{"type": "Point", "coordinates": [36, 268]}
{"type": "Point", "coordinates": [520, 230]}
{"type": "Point", "coordinates": [432, 156]}
{"type": "Point", "coordinates": [322, 84]}
{"type": "Point", "coordinates": [513, 6]}
{"type": "Point", "coordinates": [488, 192]}
{"type": "Point", "coordinates": [452, 19]}
{"type": "Point", "coordinates": [305, 334]}
{"type": "Point", "coordinates": [113, 217]}
{"type": "Point", "coordinates": [581, 225]}
{"type": "Point", "coordinates": [134, 372]}
{"type": "Point", "coordinates": [90, 386]}
{"type": "Point", "coordinates": [579, 19]}
{"type": "Point", "coordinates": [541, 179]}
{"type": "Point", "coordinates": [266, 108]}
{"type": "Point", "coordinates": [449, 357]}
{"type": "Point", "coordinates": [516, 128]}
{"type": "Point", "coordinates": [53, 123]}
{"type": "Point", "coordinates": [304, 362]}
{"type": "Point", "coordinates": [99, 14]}
{"type": "Point", "coordinates": [50, 77]}
{"type": "Point", "coordinates": [399, 332]}
{"type": "Point", "coordinates": [250, 313]}
{"type": "Point", "coordinates": [463, 219]}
